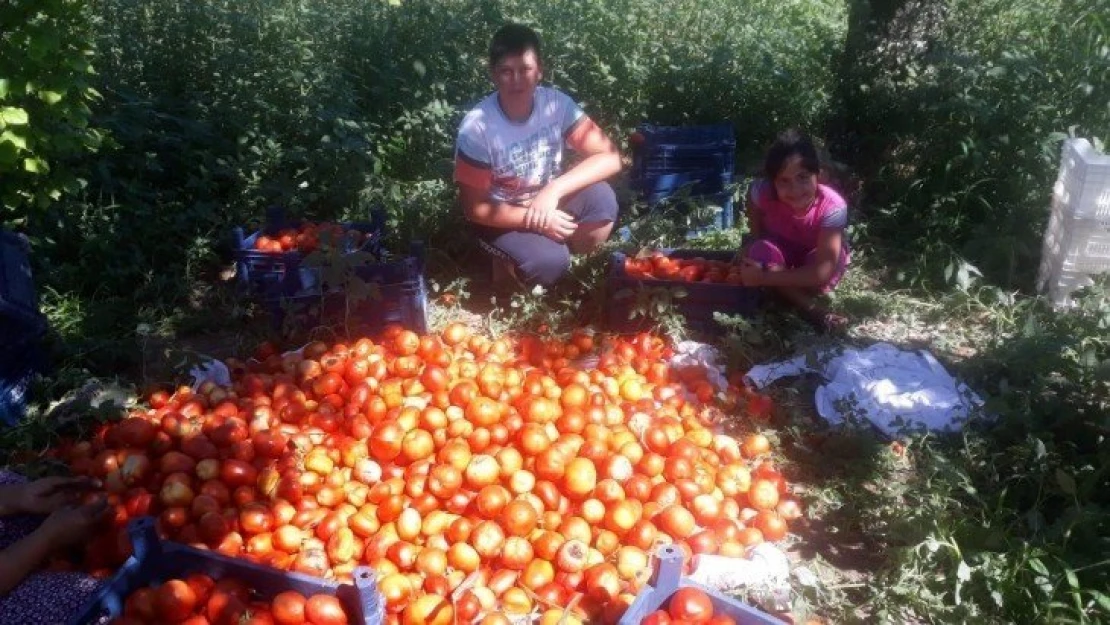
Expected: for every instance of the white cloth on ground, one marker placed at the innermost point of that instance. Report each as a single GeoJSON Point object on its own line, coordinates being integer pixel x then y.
{"type": "Point", "coordinates": [890, 387]}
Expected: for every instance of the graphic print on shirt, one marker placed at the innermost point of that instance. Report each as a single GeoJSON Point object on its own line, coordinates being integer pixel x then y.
{"type": "Point", "coordinates": [514, 161]}
{"type": "Point", "coordinates": [524, 167]}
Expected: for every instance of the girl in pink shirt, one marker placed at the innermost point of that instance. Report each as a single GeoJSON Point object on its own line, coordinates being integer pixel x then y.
{"type": "Point", "coordinates": [800, 249]}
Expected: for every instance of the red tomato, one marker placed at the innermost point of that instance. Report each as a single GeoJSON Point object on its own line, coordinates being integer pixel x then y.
{"type": "Point", "coordinates": [659, 617]}
{"type": "Point", "coordinates": [691, 604]}
{"type": "Point", "coordinates": [174, 601]}
{"type": "Point", "coordinates": [324, 610]}
{"type": "Point", "coordinates": [289, 608]}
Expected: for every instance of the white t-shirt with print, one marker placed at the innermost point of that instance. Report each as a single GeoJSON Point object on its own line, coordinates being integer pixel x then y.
{"type": "Point", "coordinates": [515, 160]}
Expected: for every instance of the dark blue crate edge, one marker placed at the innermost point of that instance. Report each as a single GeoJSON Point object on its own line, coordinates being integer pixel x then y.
{"type": "Point", "coordinates": [152, 557]}
{"type": "Point", "coordinates": [747, 298]}
{"type": "Point", "coordinates": [668, 579]}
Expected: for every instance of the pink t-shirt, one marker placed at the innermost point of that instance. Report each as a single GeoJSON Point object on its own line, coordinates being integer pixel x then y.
{"type": "Point", "coordinates": [798, 233]}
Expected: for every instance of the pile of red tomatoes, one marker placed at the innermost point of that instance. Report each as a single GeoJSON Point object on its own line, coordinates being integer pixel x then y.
{"type": "Point", "coordinates": [200, 600]}
{"type": "Point", "coordinates": [308, 237]}
{"type": "Point", "coordinates": [658, 266]}
{"type": "Point", "coordinates": [482, 478]}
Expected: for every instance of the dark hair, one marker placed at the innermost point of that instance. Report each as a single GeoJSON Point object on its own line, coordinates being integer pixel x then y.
{"type": "Point", "coordinates": [786, 145]}
{"type": "Point", "coordinates": [513, 39]}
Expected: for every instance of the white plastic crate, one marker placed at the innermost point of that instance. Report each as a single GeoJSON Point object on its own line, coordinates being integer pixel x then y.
{"type": "Point", "coordinates": [1077, 240]}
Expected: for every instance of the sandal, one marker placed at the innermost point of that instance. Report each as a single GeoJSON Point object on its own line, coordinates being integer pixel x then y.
{"type": "Point", "coordinates": [827, 322]}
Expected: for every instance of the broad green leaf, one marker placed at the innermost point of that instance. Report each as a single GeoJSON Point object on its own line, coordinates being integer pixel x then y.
{"type": "Point", "coordinates": [14, 116]}
{"type": "Point", "coordinates": [9, 153]}
{"type": "Point", "coordinates": [1101, 599]}
{"type": "Point", "coordinates": [4, 87]}
{"type": "Point", "coordinates": [963, 572]}
{"type": "Point", "coordinates": [34, 165]}
{"type": "Point", "coordinates": [1066, 482]}
{"type": "Point", "coordinates": [16, 140]}
{"type": "Point", "coordinates": [50, 97]}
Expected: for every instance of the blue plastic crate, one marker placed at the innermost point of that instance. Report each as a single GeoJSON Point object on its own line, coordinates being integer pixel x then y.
{"type": "Point", "coordinates": [396, 294]}
{"type": "Point", "coordinates": [668, 579]}
{"type": "Point", "coordinates": [699, 187]}
{"type": "Point", "coordinates": [697, 307]}
{"type": "Point", "coordinates": [274, 274]}
{"type": "Point", "coordinates": [19, 304]}
{"type": "Point", "coordinates": [154, 561]}
{"type": "Point", "coordinates": [658, 187]}
{"type": "Point", "coordinates": [672, 149]}
{"type": "Point", "coordinates": [697, 159]}
{"type": "Point", "coordinates": [19, 364]}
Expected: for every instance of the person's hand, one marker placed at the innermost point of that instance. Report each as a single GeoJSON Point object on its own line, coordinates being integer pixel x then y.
{"type": "Point", "coordinates": [72, 524]}
{"type": "Point", "coordinates": [51, 493]}
{"type": "Point", "coordinates": [751, 272]}
{"type": "Point", "coordinates": [542, 209]}
{"type": "Point", "coordinates": [562, 225]}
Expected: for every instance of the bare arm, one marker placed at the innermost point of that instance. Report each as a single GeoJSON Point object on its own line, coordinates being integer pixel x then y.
{"type": "Point", "coordinates": [65, 526]}
{"type": "Point", "coordinates": [23, 558]}
{"type": "Point", "coordinates": [479, 209]}
{"type": "Point", "coordinates": [602, 161]}
{"type": "Point", "coordinates": [755, 220]}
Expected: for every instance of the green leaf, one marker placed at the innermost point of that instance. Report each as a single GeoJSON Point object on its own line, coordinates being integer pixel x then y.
{"type": "Point", "coordinates": [1101, 599]}
{"type": "Point", "coordinates": [19, 142]}
{"type": "Point", "coordinates": [34, 165]}
{"type": "Point", "coordinates": [5, 87]}
{"type": "Point", "coordinates": [9, 153]}
{"type": "Point", "coordinates": [963, 572]}
{"type": "Point", "coordinates": [1066, 482]}
{"type": "Point", "coordinates": [14, 116]}
{"type": "Point", "coordinates": [50, 97]}
{"type": "Point", "coordinates": [1039, 449]}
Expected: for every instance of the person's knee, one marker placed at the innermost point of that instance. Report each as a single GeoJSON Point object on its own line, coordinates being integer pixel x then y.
{"type": "Point", "coordinates": [766, 252]}
{"type": "Point", "coordinates": [605, 200]}
{"type": "Point", "coordinates": [596, 203]}
{"type": "Point", "coordinates": [545, 265]}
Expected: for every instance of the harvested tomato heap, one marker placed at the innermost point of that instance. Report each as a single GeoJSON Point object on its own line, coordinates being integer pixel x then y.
{"type": "Point", "coordinates": [308, 237]}
{"type": "Point", "coordinates": [658, 266]}
{"type": "Point", "coordinates": [478, 476]}
{"type": "Point", "coordinates": [200, 600]}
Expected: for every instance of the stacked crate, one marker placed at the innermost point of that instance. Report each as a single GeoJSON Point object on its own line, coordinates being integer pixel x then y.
{"type": "Point", "coordinates": [1077, 241]}
{"type": "Point", "coordinates": [699, 159]}
{"type": "Point", "coordinates": [362, 290]}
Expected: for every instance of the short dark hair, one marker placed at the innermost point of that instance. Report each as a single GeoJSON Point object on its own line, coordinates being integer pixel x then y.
{"type": "Point", "coordinates": [513, 39]}
{"type": "Point", "coordinates": [788, 144]}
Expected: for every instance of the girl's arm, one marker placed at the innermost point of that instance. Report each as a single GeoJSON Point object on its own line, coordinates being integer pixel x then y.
{"type": "Point", "coordinates": [808, 276]}
{"type": "Point", "coordinates": [23, 558]}
{"type": "Point", "coordinates": [66, 526]}
{"type": "Point", "coordinates": [755, 227]}
{"type": "Point", "coordinates": [755, 220]}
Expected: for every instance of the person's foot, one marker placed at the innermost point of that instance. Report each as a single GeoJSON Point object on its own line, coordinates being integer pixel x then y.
{"type": "Point", "coordinates": [503, 274]}
{"type": "Point", "coordinates": [827, 322]}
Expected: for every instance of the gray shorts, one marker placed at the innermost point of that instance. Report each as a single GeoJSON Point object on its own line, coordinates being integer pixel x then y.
{"type": "Point", "coordinates": [538, 259]}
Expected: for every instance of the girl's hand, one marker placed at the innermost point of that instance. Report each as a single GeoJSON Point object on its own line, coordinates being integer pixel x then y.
{"type": "Point", "coordinates": [751, 272]}
{"type": "Point", "coordinates": [562, 226]}
{"type": "Point", "coordinates": [51, 493]}
{"type": "Point", "coordinates": [72, 524]}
